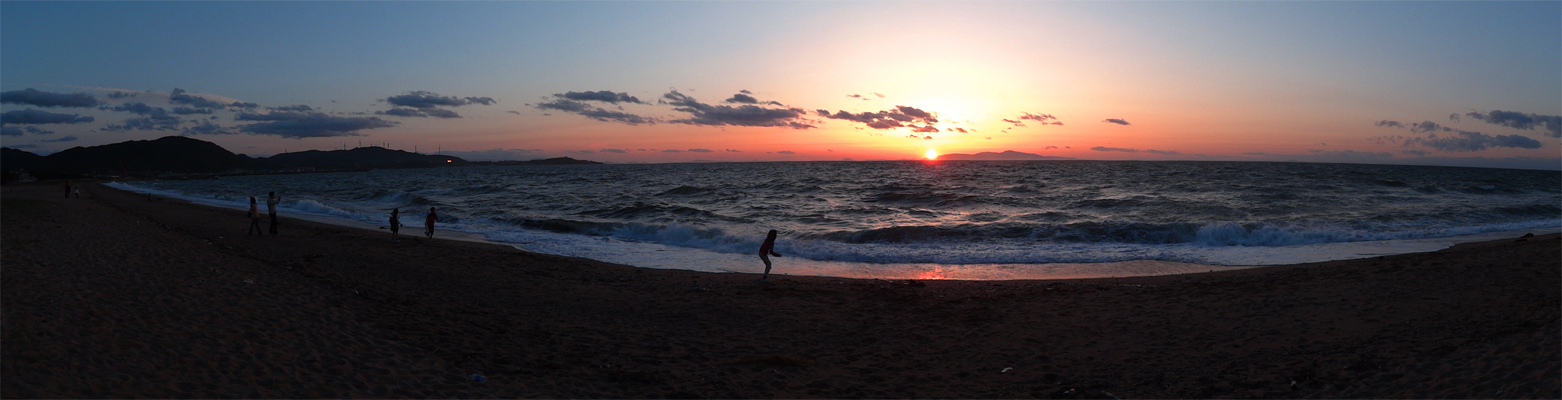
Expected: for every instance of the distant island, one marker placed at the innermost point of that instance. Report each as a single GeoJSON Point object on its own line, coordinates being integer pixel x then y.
{"type": "Point", "coordinates": [183, 157]}
{"type": "Point", "coordinates": [1005, 155]}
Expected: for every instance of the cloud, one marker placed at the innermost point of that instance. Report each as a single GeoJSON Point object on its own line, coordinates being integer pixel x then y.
{"type": "Point", "coordinates": [1391, 124]}
{"type": "Point", "coordinates": [596, 113]}
{"type": "Point", "coordinates": [36, 131]}
{"type": "Point", "coordinates": [924, 129]}
{"type": "Point", "coordinates": [602, 96]}
{"type": "Point", "coordinates": [299, 107]}
{"type": "Point", "coordinates": [672, 151]}
{"type": "Point", "coordinates": [35, 97]}
{"type": "Point", "coordinates": [24, 146]}
{"type": "Point", "coordinates": [153, 118]}
{"type": "Point", "coordinates": [786, 152]}
{"type": "Point", "coordinates": [580, 152]}
{"type": "Point", "coordinates": [297, 125]}
{"type": "Point", "coordinates": [1115, 121]}
{"type": "Point", "coordinates": [1551, 125]}
{"type": "Point", "coordinates": [413, 112]}
{"type": "Point", "coordinates": [121, 95]}
{"type": "Point", "coordinates": [733, 151]}
{"type": "Point", "coordinates": [188, 110]}
{"type": "Point", "coordinates": [619, 151]}
{"type": "Point", "coordinates": [35, 116]}
{"type": "Point", "coordinates": [514, 112]}
{"type": "Point", "coordinates": [424, 100]}
{"type": "Point", "coordinates": [10, 131]}
{"type": "Point", "coordinates": [699, 150]}
{"type": "Point", "coordinates": [248, 105]}
{"type": "Point", "coordinates": [207, 128]}
{"type": "Point", "coordinates": [60, 140]}
{"type": "Point", "coordinates": [745, 115]}
{"type": "Point", "coordinates": [887, 119]}
{"type": "Point", "coordinates": [1045, 119]}
{"type": "Point", "coordinates": [178, 96]}
{"type": "Point", "coordinates": [1456, 140]}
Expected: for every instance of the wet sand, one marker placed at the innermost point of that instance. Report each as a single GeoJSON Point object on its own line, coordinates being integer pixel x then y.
{"type": "Point", "coordinates": [112, 295]}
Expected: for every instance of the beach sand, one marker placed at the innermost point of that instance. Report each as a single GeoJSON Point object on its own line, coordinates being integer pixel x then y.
{"type": "Point", "coordinates": [112, 295]}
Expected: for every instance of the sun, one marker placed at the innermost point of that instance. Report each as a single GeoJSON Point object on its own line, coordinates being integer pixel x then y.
{"type": "Point", "coordinates": [932, 154]}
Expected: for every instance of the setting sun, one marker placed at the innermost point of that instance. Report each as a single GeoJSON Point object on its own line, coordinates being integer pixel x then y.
{"type": "Point", "coordinates": [932, 154]}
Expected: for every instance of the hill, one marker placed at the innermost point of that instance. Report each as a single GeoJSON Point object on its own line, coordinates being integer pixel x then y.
{"type": "Point", "coordinates": [359, 158]}
{"type": "Point", "coordinates": [168, 154]}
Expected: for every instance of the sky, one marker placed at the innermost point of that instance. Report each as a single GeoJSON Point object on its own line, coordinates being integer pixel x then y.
{"type": "Point", "coordinates": [1441, 83]}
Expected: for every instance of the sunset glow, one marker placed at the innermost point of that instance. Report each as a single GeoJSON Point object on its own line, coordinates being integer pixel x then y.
{"type": "Point", "coordinates": [667, 82]}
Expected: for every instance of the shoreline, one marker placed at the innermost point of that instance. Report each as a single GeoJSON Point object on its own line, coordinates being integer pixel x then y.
{"type": "Point", "coordinates": [656, 256]}
{"type": "Point", "coordinates": [110, 295]}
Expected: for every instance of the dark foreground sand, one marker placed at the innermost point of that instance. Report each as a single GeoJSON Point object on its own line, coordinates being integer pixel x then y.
{"type": "Point", "coordinates": [111, 295]}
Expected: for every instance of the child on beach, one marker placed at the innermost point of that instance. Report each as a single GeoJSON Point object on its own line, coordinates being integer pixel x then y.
{"type": "Point", "coordinates": [254, 218]}
{"type": "Point", "coordinates": [428, 222]}
{"type": "Point", "coordinates": [271, 207]}
{"type": "Point", "coordinates": [765, 251]}
{"type": "Point", "coordinates": [395, 224]}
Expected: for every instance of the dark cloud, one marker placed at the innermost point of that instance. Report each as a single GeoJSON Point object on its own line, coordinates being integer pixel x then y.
{"type": "Point", "coordinates": [596, 113]}
{"type": "Point", "coordinates": [602, 96]}
{"type": "Point", "coordinates": [299, 107]}
{"type": "Point", "coordinates": [35, 116]}
{"type": "Point", "coordinates": [60, 140]}
{"type": "Point", "coordinates": [1391, 124]}
{"type": "Point", "coordinates": [1417, 152]}
{"type": "Point", "coordinates": [620, 151]}
{"type": "Point", "coordinates": [580, 152]}
{"type": "Point", "coordinates": [514, 112]}
{"type": "Point", "coordinates": [887, 119]}
{"type": "Point", "coordinates": [298, 125]}
{"type": "Point", "coordinates": [10, 131]}
{"type": "Point", "coordinates": [924, 129]}
{"type": "Point", "coordinates": [36, 131]}
{"type": "Point", "coordinates": [248, 105]}
{"type": "Point", "coordinates": [1115, 121]}
{"type": "Point", "coordinates": [188, 110]}
{"type": "Point", "coordinates": [1012, 121]}
{"type": "Point", "coordinates": [1453, 117]}
{"type": "Point", "coordinates": [24, 146]}
{"type": "Point", "coordinates": [742, 98]}
{"type": "Point", "coordinates": [745, 115]}
{"type": "Point", "coordinates": [153, 118]}
{"type": "Point", "coordinates": [207, 128]}
{"type": "Point", "coordinates": [1551, 125]}
{"type": "Point", "coordinates": [178, 96]}
{"type": "Point", "coordinates": [413, 112]}
{"type": "Point", "coordinates": [699, 150]}
{"type": "Point", "coordinates": [786, 152]}
{"type": "Point", "coordinates": [733, 151]}
{"type": "Point", "coordinates": [1456, 140]}
{"type": "Point", "coordinates": [35, 97]}
{"type": "Point", "coordinates": [121, 95]}
{"type": "Point", "coordinates": [672, 151]}
{"type": "Point", "coordinates": [425, 100]}
{"type": "Point", "coordinates": [1044, 119]}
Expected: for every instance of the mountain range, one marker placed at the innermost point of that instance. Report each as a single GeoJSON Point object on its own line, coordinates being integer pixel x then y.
{"type": "Point", "coordinates": [1005, 155]}
{"type": "Point", "coordinates": [183, 155]}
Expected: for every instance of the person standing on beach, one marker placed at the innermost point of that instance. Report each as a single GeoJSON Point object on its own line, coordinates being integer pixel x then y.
{"type": "Point", "coordinates": [395, 224]}
{"type": "Point", "coordinates": [428, 222]}
{"type": "Point", "coordinates": [271, 207]}
{"type": "Point", "coordinates": [765, 251]}
{"type": "Point", "coordinates": [254, 218]}
{"type": "Point", "coordinates": [67, 189]}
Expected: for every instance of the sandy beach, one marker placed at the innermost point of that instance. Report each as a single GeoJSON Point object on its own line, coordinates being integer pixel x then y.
{"type": "Point", "coordinates": [113, 295]}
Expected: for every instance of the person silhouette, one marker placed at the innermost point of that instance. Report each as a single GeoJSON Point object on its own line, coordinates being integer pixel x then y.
{"type": "Point", "coordinates": [254, 218]}
{"type": "Point", "coordinates": [766, 250]}
{"type": "Point", "coordinates": [428, 222]}
{"type": "Point", "coordinates": [395, 224]}
{"type": "Point", "coordinates": [271, 207]}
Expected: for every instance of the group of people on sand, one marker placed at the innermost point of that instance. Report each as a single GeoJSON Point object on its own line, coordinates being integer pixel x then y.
{"type": "Point", "coordinates": [766, 249]}
{"type": "Point", "coordinates": [428, 223]}
{"type": "Point", "coordinates": [272, 200]}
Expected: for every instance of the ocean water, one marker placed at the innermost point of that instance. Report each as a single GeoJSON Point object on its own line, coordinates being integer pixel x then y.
{"type": "Point", "coordinates": [938, 219]}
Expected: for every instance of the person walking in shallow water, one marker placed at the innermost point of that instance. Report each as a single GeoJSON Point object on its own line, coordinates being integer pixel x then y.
{"type": "Point", "coordinates": [428, 222]}
{"type": "Point", "coordinates": [766, 250]}
{"type": "Point", "coordinates": [271, 207]}
{"type": "Point", "coordinates": [254, 218]}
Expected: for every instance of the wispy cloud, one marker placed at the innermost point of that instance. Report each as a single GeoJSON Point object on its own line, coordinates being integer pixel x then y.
{"type": "Point", "coordinates": [1446, 139]}
{"type": "Point", "coordinates": [1115, 121]}
{"type": "Point", "coordinates": [423, 99]}
{"type": "Point", "coordinates": [35, 116]}
{"type": "Point", "coordinates": [1551, 125]}
{"type": "Point", "coordinates": [35, 97]}
{"type": "Point", "coordinates": [745, 115]}
{"type": "Point", "coordinates": [297, 125]}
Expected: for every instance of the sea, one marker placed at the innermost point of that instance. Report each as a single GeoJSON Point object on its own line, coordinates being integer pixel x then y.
{"type": "Point", "coordinates": [978, 220]}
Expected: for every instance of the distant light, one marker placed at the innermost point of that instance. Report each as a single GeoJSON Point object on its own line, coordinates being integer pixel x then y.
{"type": "Point", "coordinates": [448, 160]}
{"type": "Point", "coordinates": [932, 154]}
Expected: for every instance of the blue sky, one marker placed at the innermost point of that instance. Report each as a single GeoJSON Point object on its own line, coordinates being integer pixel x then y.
{"type": "Point", "coordinates": [1305, 81]}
